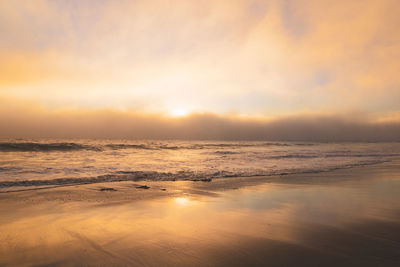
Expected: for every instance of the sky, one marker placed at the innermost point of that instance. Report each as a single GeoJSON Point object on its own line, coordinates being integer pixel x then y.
{"type": "Point", "coordinates": [179, 67]}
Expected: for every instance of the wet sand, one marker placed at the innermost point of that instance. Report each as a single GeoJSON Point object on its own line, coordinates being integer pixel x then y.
{"type": "Point", "coordinates": [348, 217]}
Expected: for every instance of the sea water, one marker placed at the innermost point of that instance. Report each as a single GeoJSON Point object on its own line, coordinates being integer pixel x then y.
{"type": "Point", "coordinates": [55, 162]}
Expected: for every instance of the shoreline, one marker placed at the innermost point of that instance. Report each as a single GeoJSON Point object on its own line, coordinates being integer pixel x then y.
{"type": "Point", "coordinates": [108, 192]}
{"type": "Point", "coordinates": [48, 184]}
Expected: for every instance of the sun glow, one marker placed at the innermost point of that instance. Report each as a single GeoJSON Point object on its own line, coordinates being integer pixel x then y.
{"type": "Point", "coordinates": [179, 112]}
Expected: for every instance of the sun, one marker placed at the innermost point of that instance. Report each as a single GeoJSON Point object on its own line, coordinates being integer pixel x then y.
{"type": "Point", "coordinates": [179, 112]}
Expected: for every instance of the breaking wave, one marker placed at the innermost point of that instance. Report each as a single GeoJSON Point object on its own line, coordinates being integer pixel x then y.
{"type": "Point", "coordinates": [120, 176]}
{"type": "Point", "coordinates": [43, 147]}
{"type": "Point", "coordinates": [63, 146]}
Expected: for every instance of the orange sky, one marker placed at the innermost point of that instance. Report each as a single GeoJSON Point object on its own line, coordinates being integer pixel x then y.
{"type": "Point", "coordinates": [240, 58]}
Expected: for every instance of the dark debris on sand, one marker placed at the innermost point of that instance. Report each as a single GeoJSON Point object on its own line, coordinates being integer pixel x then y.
{"type": "Point", "coordinates": [143, 187]}
{"type": "Point", "coordinates": [108, 189]}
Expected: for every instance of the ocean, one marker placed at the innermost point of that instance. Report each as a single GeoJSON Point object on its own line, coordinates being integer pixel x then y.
{"type": "Point", "coordinates": [65, 162]}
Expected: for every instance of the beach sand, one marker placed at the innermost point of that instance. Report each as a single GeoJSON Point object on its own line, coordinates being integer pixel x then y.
{"type": "Point", "coordinates": [348, 217]}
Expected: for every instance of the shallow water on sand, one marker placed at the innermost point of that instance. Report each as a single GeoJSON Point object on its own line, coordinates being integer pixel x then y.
{"type": "Point", "coordinates": [353, 222]}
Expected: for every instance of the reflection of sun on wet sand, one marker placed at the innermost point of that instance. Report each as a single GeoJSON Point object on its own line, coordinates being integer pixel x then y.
{"type": "Point", "coordinates": [341, 218]}
{"type": "Point", "coordinates": [181, 201]}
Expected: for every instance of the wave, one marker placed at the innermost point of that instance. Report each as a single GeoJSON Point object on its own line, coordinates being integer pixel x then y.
{"type": "Point", "coordinates": [304, 144]}
{"type": "Point", "coordinates": [70, 146]}
{"type": "Point", "coordinates": [360, 155]}
{"type": "Point", "coordinates": [294, 156]}
{"type": "Point", "coordinates": [126, 146]}
{"type": "Point", "coordinates": [187, 146]}
{"type": "Point", "coordinates": [7, 169]}
{"type": "Point", "coordinates": [226, 152]}
{"type": "Point", "coordinates": [350, 155]}
{"type": "Point", "coordinates": [43, 147]}
{"type": "Point", "coordinates": [256, 144]}
{"type": "Point", "coordinates": [120, 176]}
{"type": "Point", "coordinates": [220, 147]}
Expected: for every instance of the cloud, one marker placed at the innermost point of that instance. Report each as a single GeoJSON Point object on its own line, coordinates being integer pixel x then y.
{"type": "Point", "coordinates": [25, 120]}
{"type": "Point", "coordinates": [249, 57]}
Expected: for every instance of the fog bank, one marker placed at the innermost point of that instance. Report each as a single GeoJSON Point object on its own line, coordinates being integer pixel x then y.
{"type": "Point", "coordinates": [40, 123]}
